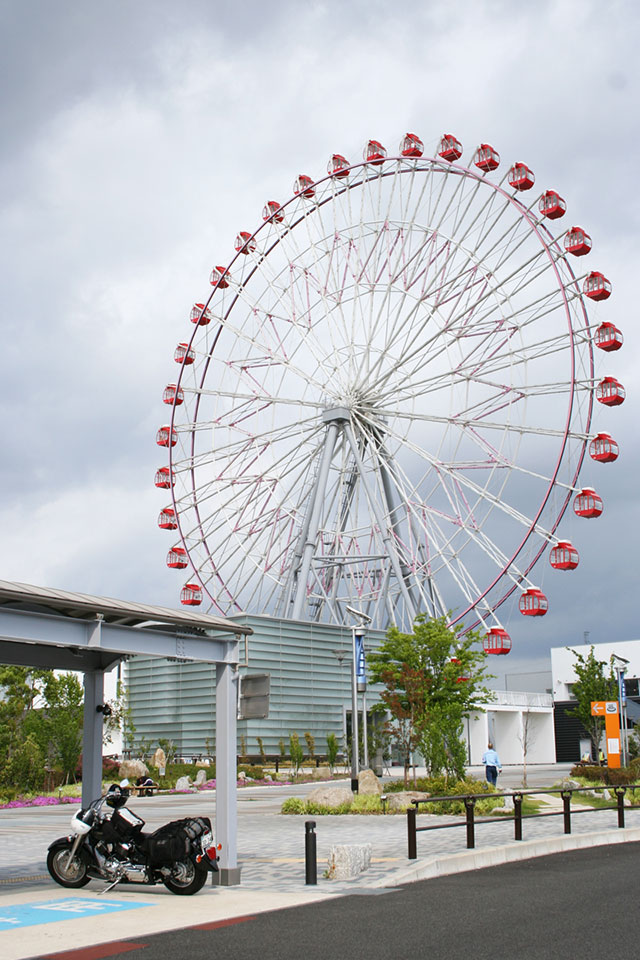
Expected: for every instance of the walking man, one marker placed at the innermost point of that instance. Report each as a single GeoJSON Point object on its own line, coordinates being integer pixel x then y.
{"type": "Point", "coordinates": [492, 764]}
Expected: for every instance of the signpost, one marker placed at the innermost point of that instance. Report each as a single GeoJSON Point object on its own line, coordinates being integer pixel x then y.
{"type": "Point", "coordinates": [609, 710]}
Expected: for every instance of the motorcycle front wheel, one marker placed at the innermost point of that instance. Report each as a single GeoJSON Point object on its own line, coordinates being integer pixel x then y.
{"type": "Point", "coordinates": [67, 874]}
{"type": "Point", "coordinates": [186, 877]}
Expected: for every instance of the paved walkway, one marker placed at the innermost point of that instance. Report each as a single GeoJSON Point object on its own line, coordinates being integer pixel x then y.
{"type": "Point", "coordinates": [271, 851]}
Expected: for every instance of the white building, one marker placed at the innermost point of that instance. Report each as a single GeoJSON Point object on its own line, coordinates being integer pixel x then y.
{"type": "Point", "coordinates": [515, 723]}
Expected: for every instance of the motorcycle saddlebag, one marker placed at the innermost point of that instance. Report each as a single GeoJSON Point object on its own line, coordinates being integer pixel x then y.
{"type": "Point", "coordinates": [125, 824]}
{"type": "Point", "coordinates": [168, 844]}
{"type": "Point", "coordinates": [173, 841]}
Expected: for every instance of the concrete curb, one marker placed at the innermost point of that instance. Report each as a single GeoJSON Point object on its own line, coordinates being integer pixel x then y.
{"type": "Point", "coordinates": [447, 864]}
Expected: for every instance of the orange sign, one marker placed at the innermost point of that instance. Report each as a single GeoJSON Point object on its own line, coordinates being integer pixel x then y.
{"type": "Point", "coordinates": [609, 709]}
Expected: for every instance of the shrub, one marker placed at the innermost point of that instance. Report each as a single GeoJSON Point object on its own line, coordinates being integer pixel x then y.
{"type": "Point", "coordinates": [332, 750]}
{"type": "Point", "coordinates": [293, 805]}
{"type": "Point", "coordinates": [254, 772]}
{"type": "Point", "coordinates": [311, 745]}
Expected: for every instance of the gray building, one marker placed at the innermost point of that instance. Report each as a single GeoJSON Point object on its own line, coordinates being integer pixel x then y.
{"type": "Point", "coordinates": [310, 688]}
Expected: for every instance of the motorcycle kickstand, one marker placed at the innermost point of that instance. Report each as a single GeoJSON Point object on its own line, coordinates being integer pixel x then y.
{"type": "Point", "coordinates": [110, 887]}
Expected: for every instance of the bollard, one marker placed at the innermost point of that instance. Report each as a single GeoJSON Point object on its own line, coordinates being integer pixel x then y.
{"type": "Point", "coordinates": [566, 801]}
{"type": "Point", "coordinates": [517, 816]}
{"type": "Point", "coordinates": [310, 859]}
{"type": "Point", "coordinates": [471, 836]}
{"type": "Point", "coordinates": [411, 831]}
{"type": "Point", "coordinates": [620, 792]}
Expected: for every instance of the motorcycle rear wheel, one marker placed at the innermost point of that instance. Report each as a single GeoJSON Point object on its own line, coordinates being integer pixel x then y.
{"type": "Point", "coordinates": [67, 874]}
{"type": "Point", "coordinates": [186, 877]}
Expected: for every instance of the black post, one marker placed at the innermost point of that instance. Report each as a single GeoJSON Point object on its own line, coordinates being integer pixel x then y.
{"type": "Point", "coordinates": [471, 836]}
{"type": "Point", "coordinates": [517, 816]}
{"type": "Point", "coordinates": [277, 763]}
{"type": "Point", "coordinates": [566, 800]}
{"type": "Point", "coordinates": [411, 832]}
{"type": "Point", "coordinates": [310, 861]}
{"type": "Point", "coordinates": [620, 792]}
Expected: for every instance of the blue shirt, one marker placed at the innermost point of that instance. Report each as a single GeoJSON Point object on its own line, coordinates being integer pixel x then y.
{"type": "Point", "coordinates": [491, 759]}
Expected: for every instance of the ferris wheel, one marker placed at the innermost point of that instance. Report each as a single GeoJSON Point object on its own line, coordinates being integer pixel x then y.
{"type": "Point", "coordinates": [386, 397]}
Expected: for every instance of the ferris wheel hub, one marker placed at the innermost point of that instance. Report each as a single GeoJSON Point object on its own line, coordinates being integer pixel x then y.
{"type": "Point", "coordinates": [336, 414]}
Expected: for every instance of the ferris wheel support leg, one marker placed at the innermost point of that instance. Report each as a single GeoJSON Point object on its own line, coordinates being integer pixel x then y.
{"type": "Point", "coordinates": [383, 525]}
{"type": "Point", "coordinates": [394, 516]}
{"type": "Point", "coordinates": [312, 524]}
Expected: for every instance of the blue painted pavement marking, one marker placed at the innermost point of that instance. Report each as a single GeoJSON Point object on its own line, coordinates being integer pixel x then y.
{"type": "Point", "coordinates": [29, 914]}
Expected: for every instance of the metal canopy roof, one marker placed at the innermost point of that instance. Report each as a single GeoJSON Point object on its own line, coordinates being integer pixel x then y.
{"type": "Point", "coordinates": [83, 606]}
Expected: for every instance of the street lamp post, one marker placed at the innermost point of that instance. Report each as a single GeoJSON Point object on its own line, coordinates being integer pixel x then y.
{"type": "Point", "coordinates": [358, 685]}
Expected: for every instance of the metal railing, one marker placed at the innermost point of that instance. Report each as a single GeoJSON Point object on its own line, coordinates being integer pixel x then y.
{"type": "Point", "coordinates": [470, 801]}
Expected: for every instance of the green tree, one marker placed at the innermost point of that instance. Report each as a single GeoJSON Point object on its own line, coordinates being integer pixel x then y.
{"type": "Point", "coordinates": [296, 753]}
{"type": "Point", "coordinates": [121, 718]}
{"type": "Point", "coordinates": [594, 683]}
{"type": "Point", "coordinates": [332, 751]}
{"type": "Point", "coordinates": [433, 678]}
{"type": "Point", "coordinates": [57, 725]}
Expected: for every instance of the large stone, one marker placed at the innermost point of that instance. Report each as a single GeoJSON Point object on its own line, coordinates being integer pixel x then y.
{"type": "Point", "coordinates": [201, 777]}
{"type": "Point", "coordinates": [348, 860]}
{"type": "Point", "coordinates": [159, 759]}
{"type": "Point", "coordinates": [184, 783]}
{"type": "Point", "coordinates": [330, 796]}
{"type": "Point", "coordinates": [402, 800]}
{"type": "Point", "coordinates": [132, 769]}
{"type": "Point", "coordinates": [321, 773]}
{"type": "Point", "coordinates": [202, 763]}
{"type": "Point", "coordinates": [368, 783]}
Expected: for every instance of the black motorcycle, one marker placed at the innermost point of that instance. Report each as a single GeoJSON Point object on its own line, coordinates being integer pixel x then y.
{"type": "Point", "coordinates": [107, 843]}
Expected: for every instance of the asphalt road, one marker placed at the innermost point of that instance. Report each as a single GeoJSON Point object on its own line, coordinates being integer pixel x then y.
{"type": "Point", "coordinates": [580, 903]}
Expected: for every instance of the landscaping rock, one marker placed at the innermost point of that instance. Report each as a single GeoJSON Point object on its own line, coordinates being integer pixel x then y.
{"type": "Point", "coordinates": [321, 773]}
{"type": "Point", "coordinates": [159, 759]}
{"type": "Point", "coordinates": [368, 783]}
{"type": "Point", "coordinates": [402, 800]}
{"type": "Point", "coordinates": [202, 763]}
{"type": "Point", "coordinates": [132, 769]}
{"type": "Point", "coordinates": [330, 796]}
{"type": "Point", "coordinates": [184, 783]}
{"type": "Point", "coordinates": [348, 860]}
{"type": "Point", "coordinates": [201, 777]}
{"type": "Point", "coordinates": [567, 784]}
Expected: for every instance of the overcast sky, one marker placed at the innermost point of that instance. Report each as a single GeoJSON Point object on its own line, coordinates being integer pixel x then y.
{"type": "Point", "coordinates": [137, 139]}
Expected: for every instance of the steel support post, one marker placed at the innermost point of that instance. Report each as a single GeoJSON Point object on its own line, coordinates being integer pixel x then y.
{"type": "Point", "coordinates": [226, 773]}
{"type": "Point", "coordinates": [92, 736]}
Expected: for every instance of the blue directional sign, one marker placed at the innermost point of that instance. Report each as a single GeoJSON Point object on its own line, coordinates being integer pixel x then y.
{"type": "Point", "coordinates": [49, 911]}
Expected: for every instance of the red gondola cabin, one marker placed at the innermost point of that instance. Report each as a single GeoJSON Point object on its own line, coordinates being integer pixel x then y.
{"type": "Point", "coordinates": [564, 556]}
{"type": "Point", "coordinates": [533, 603]}
{"type": "Point", "coordinates": [610, 392]}
{"type": "Point", "coordinates": [596, 286]}
{"type": "Point", "coordinates": [199, 315]}
{"type": "Point", "coordinates": [603, 448]}
{"type": "Point", "coordinates": [173, 395]}
{"type": "Point", "coordinates": [164, 478]}
{"type": "Point", "coordinates": [272, 211]}
{"type": "Point", "coordinates": [374, 152]}
{"type": "Point", "coordinates": [166, 437]}
{"type": "Point", "coordinates": [245, 243]}
{"type": "Point", "coordinates": [411, 146]}
{"type": "Point", "coordinates": [449, 148]}
{"type": "Point", "coordinates": [338, 166]}
{"type": "Point", "coordinates": [552, 205]}
{"type": "Point", "coordinates": [183, 354]}
{"type": "Point", "coordinates": [177, 558]}
{"type": "Point", "coordinates": [167, 519]}
{"type": "Point", "coordinates": [521, 177]}
{"type": "Point", "coordinates": [486, 158]}
{"type": "Point", "coordinates": [577, 241]}
{"type": "Point", "coordinates": [497, 641]}
{"type": "Point", "coordinates": [608, 337]}
{"type": "Point", "coordinates": [191, 595]}
{"type": "Point", "coordinates": [587, 503]}
{"type": "Point", "coordinates": [303, 186]}
{"type": "Point", "coordinates": [219, 278]}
